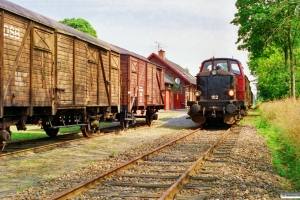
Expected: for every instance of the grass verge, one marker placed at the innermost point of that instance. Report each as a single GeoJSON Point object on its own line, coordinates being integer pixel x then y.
{"type": "Point", "coordinates": [279, 124]}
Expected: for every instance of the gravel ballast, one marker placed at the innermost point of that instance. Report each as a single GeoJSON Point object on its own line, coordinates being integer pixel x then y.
{"type": "Point", "coordinates": [40, 175]}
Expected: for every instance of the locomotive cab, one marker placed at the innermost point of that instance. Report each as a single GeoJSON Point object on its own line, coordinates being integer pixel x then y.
{"type": "Point", "coordinates": [220, 92]}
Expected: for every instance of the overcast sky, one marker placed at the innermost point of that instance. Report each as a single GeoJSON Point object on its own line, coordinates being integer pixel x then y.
{"type": "Point", "coordinates": [189, 31]}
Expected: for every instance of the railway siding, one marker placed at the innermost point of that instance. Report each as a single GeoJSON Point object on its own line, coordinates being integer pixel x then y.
{"type": "Point", "coordinates": [41, 175]}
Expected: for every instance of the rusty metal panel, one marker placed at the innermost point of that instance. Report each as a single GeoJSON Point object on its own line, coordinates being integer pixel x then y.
{"type": "Point", "coordinates": [65, 72]}
{"type": "Point", "coordinates": [16, 62]}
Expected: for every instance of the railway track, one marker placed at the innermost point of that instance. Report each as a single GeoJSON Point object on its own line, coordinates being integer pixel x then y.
{"type": "Point", "coordinates": [42, 144]}
{"type": "Point", "coordinates": [181, 169]}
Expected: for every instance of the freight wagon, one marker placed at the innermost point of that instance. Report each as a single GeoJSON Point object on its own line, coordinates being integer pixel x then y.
{"type": "Point", "coordinates": [142, 88]}
{"type": "Point", "coordinates": [54, 73]}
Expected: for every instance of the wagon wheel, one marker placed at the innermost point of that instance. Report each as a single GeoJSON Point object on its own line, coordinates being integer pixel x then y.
{"type": "Point", "coordinates": [50, 131]}
{"type": "Point", "coordinates": [86, 132]}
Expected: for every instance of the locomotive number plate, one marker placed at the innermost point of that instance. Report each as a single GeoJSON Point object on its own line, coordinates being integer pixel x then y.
{"type": "Point", "coordinates": [214, 97]}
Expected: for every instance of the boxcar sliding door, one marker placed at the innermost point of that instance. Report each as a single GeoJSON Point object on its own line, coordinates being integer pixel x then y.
{"type": "Point", "coordinates": [42, 72]}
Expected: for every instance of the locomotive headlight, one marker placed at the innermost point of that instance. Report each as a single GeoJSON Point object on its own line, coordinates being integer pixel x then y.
{"type": "Point", "coordinates": [231, 92]}
{"type": "Point", "coordinates": [214, 72]}
{"type": "Point", "coordinates": [197, 93]}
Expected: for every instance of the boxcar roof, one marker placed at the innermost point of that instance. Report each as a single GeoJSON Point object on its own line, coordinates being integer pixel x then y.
{"type": "Point", "coordinates": [126, 52]}
{"type": "Point", "coordinates": [16, 9]}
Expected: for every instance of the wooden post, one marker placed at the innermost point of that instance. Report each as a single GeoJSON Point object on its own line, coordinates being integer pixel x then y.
{"type": "Point", "coordinates": [31, 73]}
{"type": "Point", "coordinates": [74, 74]}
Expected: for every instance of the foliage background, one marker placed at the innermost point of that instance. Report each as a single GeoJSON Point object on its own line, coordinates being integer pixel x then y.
{"type": "Point", "coordinates": [81, 25]}
{"type": "Point", "coordinates": [269, 31]}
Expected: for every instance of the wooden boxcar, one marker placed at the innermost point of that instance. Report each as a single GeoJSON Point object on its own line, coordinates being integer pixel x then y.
{"type": "Point", "coordinates": [54, 73]}
{"type": "Point", "coordinates": [142, 87]}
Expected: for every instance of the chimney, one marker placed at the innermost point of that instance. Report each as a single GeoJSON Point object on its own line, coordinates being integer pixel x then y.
{"type": "Point", "coordinates": [162, 54]}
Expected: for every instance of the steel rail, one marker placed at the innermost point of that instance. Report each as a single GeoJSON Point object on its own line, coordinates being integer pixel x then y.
{"type": "Point", "coordinates": [48, 146]}
{"type": "Point", "coordinates": [20, 152]}
{"type": "Point", "coordinates": [172, 191]}
{"type": "Point", "coordinates": [77, 189]}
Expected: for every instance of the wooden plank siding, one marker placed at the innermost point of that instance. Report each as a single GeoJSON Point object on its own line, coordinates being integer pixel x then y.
{"type": "Point", "coordinates": [155, 85]}
{"type": "Point", "coordinates": [42, 78]}
{"type": "Point", "coordinates": [115, 79]}
{"type": "Point", "coordinates": [124, 80]}
{"type": "Point", "coordinates": [54, 69]}
{"type": "Point", "coordinates": [65, 72]}
{"type": "Point", "coordinates": [104, 77]}
{"type": "Point", "coordinates": [18, 92]}
{"type": "Point", "coordinates": [141, 98]}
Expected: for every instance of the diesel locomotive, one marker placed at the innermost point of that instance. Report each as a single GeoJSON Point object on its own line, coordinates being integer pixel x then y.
{"type": "Point", "coordinates": [223, 92]}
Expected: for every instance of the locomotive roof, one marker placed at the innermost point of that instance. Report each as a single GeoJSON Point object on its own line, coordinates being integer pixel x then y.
{"type": "Point", "coordinates": [62, 28]}
{"type": "Point", "coordinates": [221, 59]}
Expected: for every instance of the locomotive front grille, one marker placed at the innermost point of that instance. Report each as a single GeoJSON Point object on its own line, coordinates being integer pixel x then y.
{"type": "Point", "coordinates": [215, 87]}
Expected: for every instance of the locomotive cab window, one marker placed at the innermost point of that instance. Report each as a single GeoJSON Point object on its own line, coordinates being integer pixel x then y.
{"type": "Point", "coordinates": [234, 67]}
{"type": "Point", "coordinates": [207, 66]}
{"type": "Point", "coordinates": [221, 65]}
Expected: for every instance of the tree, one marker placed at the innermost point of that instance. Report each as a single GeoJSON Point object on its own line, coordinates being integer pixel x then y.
{"type": "Point", "coordinates": [273, 76]}
{"type": "Point", "coordinates": [266, 23]}
{"type": "Point", "coordinates": [81, 25]}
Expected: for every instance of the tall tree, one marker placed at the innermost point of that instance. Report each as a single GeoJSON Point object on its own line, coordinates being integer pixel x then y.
{"type": "Point", "coordinates": [81, 25]}
{"type": "Point", "coordinates": [265, 23]}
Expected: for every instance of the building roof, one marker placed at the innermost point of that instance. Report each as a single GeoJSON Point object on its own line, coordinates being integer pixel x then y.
{"type": "Point", "coordinates": [169, 79]}
{"type": "Point", "coordinates": [177, 69]}
{"type": "Point", "coordinates": [191, 79]}
{"type": "Point", "coordinates": [59, 27]}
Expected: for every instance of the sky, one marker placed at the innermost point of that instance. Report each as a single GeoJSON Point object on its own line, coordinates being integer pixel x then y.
{"type": "Point", "coordinates": [189, 31]}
